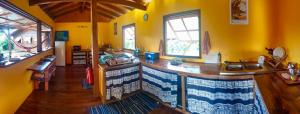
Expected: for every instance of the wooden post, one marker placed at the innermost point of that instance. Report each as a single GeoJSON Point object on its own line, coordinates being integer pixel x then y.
{"type": "Point", "coordinates": [39, 36]}
{"type": "Point", "coordinates": [95, 48]}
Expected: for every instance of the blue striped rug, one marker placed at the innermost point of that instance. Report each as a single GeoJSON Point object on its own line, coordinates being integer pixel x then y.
{"type": "Point", "coordinates": [139, 103]}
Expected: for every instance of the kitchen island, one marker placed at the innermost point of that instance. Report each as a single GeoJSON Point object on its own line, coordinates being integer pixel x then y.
{"type": "Point", "coordinates": [189, 87]}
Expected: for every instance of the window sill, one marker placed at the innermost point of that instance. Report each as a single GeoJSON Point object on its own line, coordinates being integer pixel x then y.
{"type": "Point", "coordinates": [10, 63]}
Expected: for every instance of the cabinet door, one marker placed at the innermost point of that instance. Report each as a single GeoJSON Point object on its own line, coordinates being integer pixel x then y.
{"type": "Point", "coordinates": [210, 96]}
{"type": "Point", "coordinates": [122, 81]}
{"type": "Point", "coordinates": [162, 84]}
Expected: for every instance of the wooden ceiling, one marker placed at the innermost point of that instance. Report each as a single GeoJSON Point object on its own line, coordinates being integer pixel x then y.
{"type": "Point", "coordinates": [106, 9]}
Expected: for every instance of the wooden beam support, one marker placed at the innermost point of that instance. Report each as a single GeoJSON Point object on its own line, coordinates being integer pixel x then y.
{"type": "Point", "coordinates": [103, 14]}
{"type": "Point", "coordinates": [83, 6]}
{"type": "Point", "coordinates": [63, 7]}
{"type": "Point", "coordinates": [125, 3]}
{"type": "Point", "coordinates": [73, 9]}
{"type": "Point", "coordinates": [114, 7]}
{"type": "Point", "coordinates": [95, 47]}
{"type": "Point", "coordinates": [121, 2]}
{"type": "Point", "coordinates": [39, 36]}
{"type": "Point", "coordinates": [40, 2]}
{"type": "Point", "coordinates": [112, 13]}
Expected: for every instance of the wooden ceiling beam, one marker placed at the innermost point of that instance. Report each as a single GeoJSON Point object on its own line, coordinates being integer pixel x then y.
{"type": "Point", "coordinates": [103, 9]}
{"type": "Point", "coordinates": [114, 7]}
{"type": "Point", "coordinates": [70, 10]}
{"type": "Point", "coordinates": [40, 2]}
{"type": "Point", "coordinates": [121, 2]}
{"type": "Point", "coordinates": [139, 1]}
{"type": "Point", "coordinates": [83, 6]}
{"type": "Point", "coordinates": [63, 7]}
{"type": "Point", "coordinates": [125, 3]}
{"type": "Point", "coordinates": [53, 7]}
{"type": "Point", "coordinates": [128, 8]}
{"type": "Point", "coordinates": [48, 6]}
{"type": "Point", "coordinates": [102, 13]}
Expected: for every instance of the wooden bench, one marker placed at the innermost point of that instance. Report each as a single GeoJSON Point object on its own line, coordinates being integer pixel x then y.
{"type": "Point", "coordinates": [42, 71]}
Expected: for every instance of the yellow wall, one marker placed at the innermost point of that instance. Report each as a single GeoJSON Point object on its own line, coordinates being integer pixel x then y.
{"type": "Point", "coordinates": [80, 34]}
{"type": "Point", "coordinates": [233, 41]}
{"type": "Point", "coordinates": [16, 85]}
{"type": "Point", "coordinates": [288, 27]}
{"type": "Point", "coordinates": [15, 82]}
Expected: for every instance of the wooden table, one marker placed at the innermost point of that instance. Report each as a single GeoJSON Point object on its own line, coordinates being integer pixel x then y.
{"type": "Point", "coordinates": [42, 71]}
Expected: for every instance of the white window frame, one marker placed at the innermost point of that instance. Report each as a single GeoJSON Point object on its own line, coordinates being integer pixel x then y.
{"type": "Point", "coordinates": [123, 32]}
{"type": "Point", "coordinates": [181, 15]}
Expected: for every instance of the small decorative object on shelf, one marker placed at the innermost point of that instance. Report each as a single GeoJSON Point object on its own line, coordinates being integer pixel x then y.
{"type": "Point", "coordinates": [151, 56]}
{"type": "Point", "coordinates": [292, 70]}
{"type": "Point", "coordinates": [137, 52]}
{"type": "Point", "coordinates": [176, 61]}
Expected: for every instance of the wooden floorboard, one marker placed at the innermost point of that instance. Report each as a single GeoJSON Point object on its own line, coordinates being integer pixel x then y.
{"type": "Point", "coordinates": [66, 96]}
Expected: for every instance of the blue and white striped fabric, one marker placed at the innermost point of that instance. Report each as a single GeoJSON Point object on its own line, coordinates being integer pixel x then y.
{"type": "Point", "coordinates": [213, 96]}
{"type": "Point", "coordinates": [260, 107]}
{"type": "Point", "coordinates": [122, 81]}
{"type": "Point", "coordinates": [162, 84]}
{"type": "Point", "coordinates": [139, 103]}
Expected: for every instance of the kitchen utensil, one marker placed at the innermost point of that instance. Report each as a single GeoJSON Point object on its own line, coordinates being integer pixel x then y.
{"type": "Point", "coordinates": [261, 59]}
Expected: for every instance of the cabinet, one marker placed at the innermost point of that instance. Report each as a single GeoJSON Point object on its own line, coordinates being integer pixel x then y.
{"type": "Point", "coordinates": [79, 57]}
{"type": "Point", "coordinates": [162, 84]}
{"type": "Point", "coordinates": [83, 57]}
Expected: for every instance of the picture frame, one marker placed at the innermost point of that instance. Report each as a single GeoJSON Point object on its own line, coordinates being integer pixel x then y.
{"type": "Point", "coordinates": [239, 12]}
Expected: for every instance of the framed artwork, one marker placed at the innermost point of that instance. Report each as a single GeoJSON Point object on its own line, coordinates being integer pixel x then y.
{"type": "Point", "coordinates": [239, 12]}
{"type": "Point", "coordinates": [115, 29]}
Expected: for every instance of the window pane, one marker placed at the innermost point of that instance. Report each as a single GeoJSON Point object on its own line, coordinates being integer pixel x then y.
{"type": "Point", "coordinates": [182, 35]}
{"type": "Point", "coordinates": [177, 24]}
{"type": "Point", "coordinates": [192, 23]}
{"type": "Point", "coordinates": [46, 37]}
{"type": "Point", "coordinates": [18, 37]}
{"type": "Point", "coordinates": [194, 35]}
{"type": "Point", "coordinates": [170, 33]}
{"type": "Point", "coordinates": [129, 37]}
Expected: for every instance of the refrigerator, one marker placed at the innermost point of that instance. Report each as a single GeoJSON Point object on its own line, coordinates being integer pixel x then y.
{"type": "Point", "coordinates": [60, 53]}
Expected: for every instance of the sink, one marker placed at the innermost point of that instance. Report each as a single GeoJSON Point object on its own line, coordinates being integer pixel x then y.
{"type": "Point", "coordinates": [242, 68]}
{"type": "Point", "coordinates": [239, 66]}
{"type": "Point", "coordinates": [253, 66]}
{"type": "Point", "coordinates": [234, 67]}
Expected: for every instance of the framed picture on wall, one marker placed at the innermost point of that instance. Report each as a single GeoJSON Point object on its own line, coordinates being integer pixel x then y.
{"type": "Point", "coordinates": [239, 12]}
{"type": "Point", "coordinates": [115, 29]}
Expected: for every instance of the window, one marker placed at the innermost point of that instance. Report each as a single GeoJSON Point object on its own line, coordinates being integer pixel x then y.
{"type": "Point", "coordinates": [19, 34]}
{"type": "Point", "coordinates": [46, 37]}
{"type": "Point", "coordinates": [129, 37]}
{"type": "Point", "coordinates": [182, 34]}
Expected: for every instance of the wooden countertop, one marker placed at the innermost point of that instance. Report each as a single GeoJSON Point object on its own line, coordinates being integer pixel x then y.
{"type": "Point", "coordinates": [42, 65]}
{"type": "Point", "coordinates": [204, 70]}
{"type": "Point", "coordinates": [279, 97]}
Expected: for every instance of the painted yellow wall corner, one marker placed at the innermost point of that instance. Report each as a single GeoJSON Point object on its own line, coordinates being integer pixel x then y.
{"type": "Point", "coordinates": [15, 82]}
{"type": "Point", "coordinates": [233, 41]}
{"type": "Point", "coordinates": [80, 34]}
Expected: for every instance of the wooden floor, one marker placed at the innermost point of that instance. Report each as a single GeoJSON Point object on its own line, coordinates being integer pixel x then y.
{"type": "Point", "coordinates": [66, 96]}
